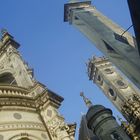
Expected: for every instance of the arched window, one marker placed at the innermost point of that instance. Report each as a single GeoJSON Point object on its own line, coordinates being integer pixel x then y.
{"type": "Point", "coordinates": [7, 78]}
{"type": "Point", "coordinates": [99, 79]}
{"type": "Point", "coordinates": [25, 138]}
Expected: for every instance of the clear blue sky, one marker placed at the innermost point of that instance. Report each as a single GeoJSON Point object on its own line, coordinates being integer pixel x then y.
{"type": "Point", "coordinates": [56, 50]}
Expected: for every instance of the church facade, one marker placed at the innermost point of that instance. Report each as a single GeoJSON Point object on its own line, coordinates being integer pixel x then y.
{"type": "Point", "coordinates": [28, 110]}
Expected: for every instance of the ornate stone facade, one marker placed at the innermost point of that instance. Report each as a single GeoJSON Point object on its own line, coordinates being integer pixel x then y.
{"type": "Point", "coordinates": [28, 110]}
{"type": "Point", "coordinates": [122, 93]}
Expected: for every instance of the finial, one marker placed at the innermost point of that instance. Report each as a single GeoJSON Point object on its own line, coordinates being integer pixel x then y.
{"type": "Point", "coordinates": [86, 100]}
{"type": "Point", "coordinates": [3, 31]}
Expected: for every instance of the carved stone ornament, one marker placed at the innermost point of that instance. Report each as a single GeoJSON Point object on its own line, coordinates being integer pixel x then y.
{"type": "Point", "coordinates": [121, 84]}
{"type": "Point", "coordinates": [11, 50]}
{"type": "Point", "coordinates": [58, 127]}
{"type": "Point", "coordinates": [108, 71]}
{"type": "Point", "coordinates": [1, 66]}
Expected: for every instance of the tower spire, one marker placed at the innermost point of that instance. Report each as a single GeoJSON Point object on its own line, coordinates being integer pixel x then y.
{"type": "Point", "coordinates": [86, 100]}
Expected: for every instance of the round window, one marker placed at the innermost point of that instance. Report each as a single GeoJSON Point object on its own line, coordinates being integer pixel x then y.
{"type": "Point", "coordinates": [121, 84]}
{"type": "Point", "coordinates": [17, 116]}
{"type": "Point", "coordinates": [112, 94]}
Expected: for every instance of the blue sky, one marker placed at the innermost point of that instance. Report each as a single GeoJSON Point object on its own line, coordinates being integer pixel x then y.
{"type": "Point", "coordinates": [56, 50]}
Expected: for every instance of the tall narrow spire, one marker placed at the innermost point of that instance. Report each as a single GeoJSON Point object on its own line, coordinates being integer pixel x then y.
{"type": "Point", "coordinates": [86, 100]}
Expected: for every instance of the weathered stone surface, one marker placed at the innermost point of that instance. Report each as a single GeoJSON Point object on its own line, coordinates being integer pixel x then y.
{"type": "Point", "coordinates": [28, 110]}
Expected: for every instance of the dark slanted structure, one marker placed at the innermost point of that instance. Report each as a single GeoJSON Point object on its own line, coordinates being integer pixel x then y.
{"type": "Point", "coordinates": [84, 132]}
{"type": "Point", "coordinates": [134, 7]}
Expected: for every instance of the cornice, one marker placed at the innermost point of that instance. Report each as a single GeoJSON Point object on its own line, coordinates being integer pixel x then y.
{"type": "Point", "coordinates": [50, 93]}
{"type": "Point", "coordinates": [19, 96]}
{"type": "Point", "coordinates": [17, 102]}
{"type": "Point", "coordinates": [18, 108]}
{"type": "Point", "coordinates": [14, 88]}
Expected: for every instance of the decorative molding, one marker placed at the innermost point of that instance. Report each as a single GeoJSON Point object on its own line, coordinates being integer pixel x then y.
{"type": "Point", "coordinates": [17, 102]}
{"type": "Point", "coordinates": [121, 84]}
{"type": "Point", "coordinates": [14, 91]}
{"type": "Point", "coordinates": [18, 108]}
{"type": "Point", "coordinates": [34, 99]}
{"type": "Point", "coordinates": [72, 130]}
{"type": "Point", "coordinates": [24, 135]}
{"type": "Point", "coordinates": [10, 51]}
{"type": "Point", "coordinates": [22, 125]}
{"type": "Point", "coordinates": [58, 128]}
{"type": "Point", "coordinates": [12, 95]}
{"type": "Point", "coordinates": [108, 71]}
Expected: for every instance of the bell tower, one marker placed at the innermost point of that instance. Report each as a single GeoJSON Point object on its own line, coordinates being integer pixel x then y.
{"type": "Point", "coordinates": [118, 90]}
{"type": "Point", "coordinates": [28, 109]}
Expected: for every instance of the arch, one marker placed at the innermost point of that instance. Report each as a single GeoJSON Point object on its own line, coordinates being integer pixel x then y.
{"type": "Point", "coordinates": [99, 79]}
{"type": "Point", "coordinates": [7, 78]}
{"type": "Point", "coordinates": [24, 136]}
{"type": "Point", "coordinates": [7, 70]}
